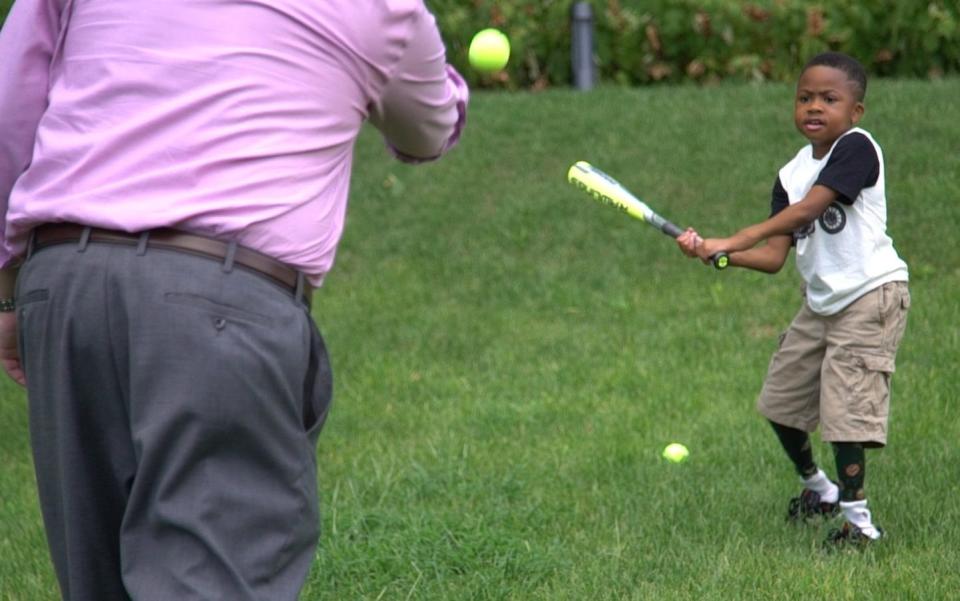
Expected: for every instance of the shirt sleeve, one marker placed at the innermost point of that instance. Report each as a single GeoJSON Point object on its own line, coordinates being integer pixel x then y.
{"type": "Point", "coordinates": [27, 44]}
{"type": "Point", "coordinates": [853, 165]}
{"type": "Point", "coordinates": [423, 107]}
{"type": "Point", "coordinates": [779, 199]}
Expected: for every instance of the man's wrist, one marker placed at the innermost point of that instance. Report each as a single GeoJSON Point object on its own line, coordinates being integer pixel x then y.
{"type": "Point", "coordinates": [7, 305]}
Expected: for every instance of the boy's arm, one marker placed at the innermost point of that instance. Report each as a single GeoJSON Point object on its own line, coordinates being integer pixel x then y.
{"type": "Point", "coordinates": [783, 223]}
{"type": "Point", "coordinates": [768, 257]}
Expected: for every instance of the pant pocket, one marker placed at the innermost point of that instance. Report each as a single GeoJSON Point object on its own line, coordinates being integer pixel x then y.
{"type": "Point", "coordinates": [895, 319]}
{"type": "Point", "coordinates": [317, 385]}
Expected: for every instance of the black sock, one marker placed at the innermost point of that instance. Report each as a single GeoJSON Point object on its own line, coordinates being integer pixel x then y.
{"type": "Point", "coordinates": [851, 469]}
{"type": "Point", "coordinates": [797, 445]}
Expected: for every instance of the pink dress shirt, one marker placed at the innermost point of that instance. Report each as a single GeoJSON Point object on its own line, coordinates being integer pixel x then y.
{"type": "Point", "coordinates": [232, 119]}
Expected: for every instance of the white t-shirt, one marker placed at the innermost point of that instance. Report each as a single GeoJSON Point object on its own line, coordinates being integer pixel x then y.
{"type": "Point", "coordinates": [846, 252]}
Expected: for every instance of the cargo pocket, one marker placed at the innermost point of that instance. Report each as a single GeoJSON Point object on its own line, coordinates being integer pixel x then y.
{"type": "Point", "coordinates": [877, 364]}
{"type": "Point", "coordinates": [856, 404]}
{"type": "Point", "coordinates": [871, 385]}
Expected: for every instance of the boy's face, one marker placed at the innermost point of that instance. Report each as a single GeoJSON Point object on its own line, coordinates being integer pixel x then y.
{"type": "Point", "coordinates": [825, 107]}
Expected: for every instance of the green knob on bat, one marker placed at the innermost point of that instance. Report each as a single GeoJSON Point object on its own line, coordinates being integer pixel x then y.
{"type": "Point", "coordinates": [721, 260]}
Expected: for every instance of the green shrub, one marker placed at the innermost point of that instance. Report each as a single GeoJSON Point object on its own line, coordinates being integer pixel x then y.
{"type": "Point", "coordinates": [648, 41]}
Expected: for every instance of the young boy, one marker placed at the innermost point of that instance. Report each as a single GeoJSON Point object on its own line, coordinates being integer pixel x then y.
{"type": "Point", "coordinates": [834, 363]}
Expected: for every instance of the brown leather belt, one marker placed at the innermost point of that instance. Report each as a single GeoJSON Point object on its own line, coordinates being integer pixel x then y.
{"type": "Point", "coordinates": [165, 238]}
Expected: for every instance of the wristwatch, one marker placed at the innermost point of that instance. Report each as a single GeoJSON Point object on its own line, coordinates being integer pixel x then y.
{"type": "Point", "coordinates": [7, 305]}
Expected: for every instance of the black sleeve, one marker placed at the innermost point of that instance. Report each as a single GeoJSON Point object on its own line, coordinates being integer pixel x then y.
{"type": "Point", "coordinates": [779, 200]}
{"type": "Point", "coordinates": [853, 166]}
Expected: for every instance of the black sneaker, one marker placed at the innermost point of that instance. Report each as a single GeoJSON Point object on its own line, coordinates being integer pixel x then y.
{"type": "Point", "coordinates": [808, 506]}
{"type": "Point", "coordinates": [850, 536]}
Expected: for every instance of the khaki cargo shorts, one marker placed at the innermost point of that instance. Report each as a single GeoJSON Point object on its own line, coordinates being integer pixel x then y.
{"type": "Point", "coordinates": [835, 370]}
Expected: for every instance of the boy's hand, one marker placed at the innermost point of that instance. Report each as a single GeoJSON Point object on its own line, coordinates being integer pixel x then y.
{"type": "Point", "coordinates": [688, 242]}
{"type": "Point", "coordinates": [712, 246]}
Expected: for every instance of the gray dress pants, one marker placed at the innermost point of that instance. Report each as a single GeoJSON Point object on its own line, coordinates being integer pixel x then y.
{"type": "Point", "coordinates": [174, 409]}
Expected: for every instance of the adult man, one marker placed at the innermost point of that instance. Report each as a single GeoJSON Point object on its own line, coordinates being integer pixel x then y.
{"type": "Point", "coordinates": [173, 179]}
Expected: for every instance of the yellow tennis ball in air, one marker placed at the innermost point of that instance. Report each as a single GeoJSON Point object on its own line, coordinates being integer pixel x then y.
{"type": "Point", "coordinates": [675, 453]}
{"type": "Point", "coordinates": [489, 50]}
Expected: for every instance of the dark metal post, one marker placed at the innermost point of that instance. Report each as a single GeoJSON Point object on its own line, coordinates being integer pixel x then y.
{"type": "Point", "coordinates": [581, 26]}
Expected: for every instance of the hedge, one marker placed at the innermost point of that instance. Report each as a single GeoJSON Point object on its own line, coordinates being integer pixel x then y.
{"type": "Point", "coordinates": [650, 41]}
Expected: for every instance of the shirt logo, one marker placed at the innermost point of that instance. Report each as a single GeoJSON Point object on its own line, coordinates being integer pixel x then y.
{"type": "Point", "coordinates": [834, 219]}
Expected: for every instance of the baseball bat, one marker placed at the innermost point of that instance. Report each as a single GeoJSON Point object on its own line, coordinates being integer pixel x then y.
{"type": "Point", "coordinates": [609, 191]}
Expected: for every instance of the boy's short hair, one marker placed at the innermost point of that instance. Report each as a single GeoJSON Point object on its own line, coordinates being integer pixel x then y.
{"type": "Point", "coordinates": [849, 65]}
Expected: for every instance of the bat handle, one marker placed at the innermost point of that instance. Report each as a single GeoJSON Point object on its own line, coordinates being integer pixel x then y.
{"type": "Point", "coordinates": [721, 260]}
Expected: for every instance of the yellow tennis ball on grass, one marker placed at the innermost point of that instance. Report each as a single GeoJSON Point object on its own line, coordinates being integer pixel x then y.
{"type": "Point", "coordinates": [489, 50]}
{"type": "Point", "coordinates": [675, 453]}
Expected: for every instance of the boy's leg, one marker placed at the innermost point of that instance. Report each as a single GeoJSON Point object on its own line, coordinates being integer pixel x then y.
{"type": "Point", "coordinates": [796, 443]}
{"type": "Point", "coordinates": [851, 467]}
{"type": "Point", "coordinates": [820, 494]}
{"type": "Point", "coordinates": [851, 470]}
{"type": "Point", "coordinates": [863, 341]}
{"type": "Point", "coordinates": [790, 401]}
{"type": "Point", "coordinates": [791, 390]}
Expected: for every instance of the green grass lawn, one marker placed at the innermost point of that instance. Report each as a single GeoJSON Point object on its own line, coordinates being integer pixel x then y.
{"type": "Point", "coordinates": [510, 359]}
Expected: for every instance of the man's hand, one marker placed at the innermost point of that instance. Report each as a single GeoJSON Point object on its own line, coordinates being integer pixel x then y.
{"type": "Point", "coordinates": [9, 352]}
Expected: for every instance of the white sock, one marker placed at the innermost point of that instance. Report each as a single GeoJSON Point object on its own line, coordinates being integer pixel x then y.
{"type": "Point", "coordinates": [857, 514]}
{"type": "Point", "coordinates": [820, 484]}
